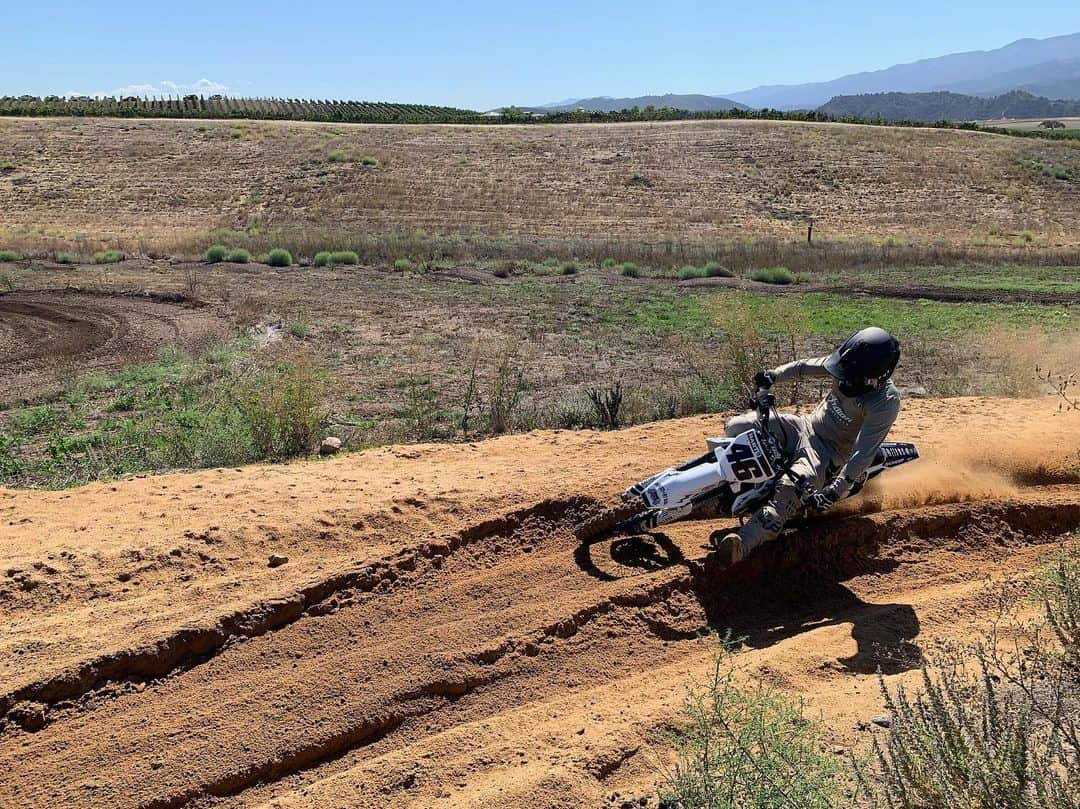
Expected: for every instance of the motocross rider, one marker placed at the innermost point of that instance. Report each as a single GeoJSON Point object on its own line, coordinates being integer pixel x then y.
{"type": "Point", "coordinates": [833, 446]}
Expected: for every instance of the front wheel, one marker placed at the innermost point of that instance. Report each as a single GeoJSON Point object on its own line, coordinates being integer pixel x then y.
{"type": "Point", "coordinates": [609, 519]}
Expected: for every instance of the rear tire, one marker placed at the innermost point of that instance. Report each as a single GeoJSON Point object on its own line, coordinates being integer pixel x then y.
{"type": "Point", "coordinates": [608, 520]}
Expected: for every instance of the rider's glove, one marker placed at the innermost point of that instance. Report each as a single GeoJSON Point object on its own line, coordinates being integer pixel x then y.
{"type": "Point", "coordinates": [764, 379]}
{"type": "Point", "coordinates": [828, 497]}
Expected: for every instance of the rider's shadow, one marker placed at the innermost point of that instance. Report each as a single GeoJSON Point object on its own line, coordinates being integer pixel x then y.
{"type": "Point", "coordinates": [758, 601]}
{"type": "Point", "coordinates": [884, 634]}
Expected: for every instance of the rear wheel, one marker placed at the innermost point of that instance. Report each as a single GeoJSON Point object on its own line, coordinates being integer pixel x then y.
{"type": "Point", "coordinates": [607, 520]}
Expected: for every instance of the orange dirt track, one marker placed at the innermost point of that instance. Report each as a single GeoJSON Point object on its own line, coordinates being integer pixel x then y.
{"type": "Point", "coordinates": [438, 638]}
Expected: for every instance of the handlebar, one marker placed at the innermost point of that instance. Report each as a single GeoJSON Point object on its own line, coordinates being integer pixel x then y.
{"type": "Point", "coordinates": [764, 403]}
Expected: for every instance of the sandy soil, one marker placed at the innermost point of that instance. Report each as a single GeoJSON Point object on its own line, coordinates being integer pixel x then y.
{"type": "Point", "coordinates": [437, 637]}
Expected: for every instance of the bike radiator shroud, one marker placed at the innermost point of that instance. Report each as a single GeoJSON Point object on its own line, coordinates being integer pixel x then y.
{"type": "Point", "coordinates": [730, 462]}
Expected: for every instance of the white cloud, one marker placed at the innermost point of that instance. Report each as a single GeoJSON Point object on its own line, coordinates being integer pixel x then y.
{"type": "Point", "coordinates": [169, 88]}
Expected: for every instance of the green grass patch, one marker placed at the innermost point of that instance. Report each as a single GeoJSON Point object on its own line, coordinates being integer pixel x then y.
{"type": "Point", "coordinates": [688, 272]}
{"type": "Point", "coordinates": [829, 315]}
{"type": "Point", "coordinates": [1008, 278]}
{"type": "Point", "coordinates": [685, 315]}
{"type": "Point", "coordinates": [630, 270]}
{"type": "Point", "coordinates": [65, 258]}
{"type": "Point", "coordinates": [344, 257]}
{"type": "Point", "coordinates": [238, 256]}
{"type": "Point", "coordinates": [570, 268]}
{"type": "Point", "coordinates": [223, 407]}
{"type": "Point", "coordinates": [773, 275]}
{"type": "Point", "coordinates": [108, 257]}
{"type": "Point", "coordinates": [714, 269]}
{"type": "Point", "coordinates": [9, 255]}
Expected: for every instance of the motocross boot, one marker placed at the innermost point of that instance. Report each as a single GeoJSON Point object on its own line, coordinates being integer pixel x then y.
{"type": "Point", "coordinates": [729, 547]}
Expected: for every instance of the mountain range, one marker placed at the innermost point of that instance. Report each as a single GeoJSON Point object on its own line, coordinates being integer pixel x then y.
{"type": "Point", "coordinates": [1034, 65]}
{"type": "Point", "coordinates": [692, 102]}
{"type": "Point", "coordinates": [949, 106]}
{"type": "Point", "coordinates": [1042, 67]}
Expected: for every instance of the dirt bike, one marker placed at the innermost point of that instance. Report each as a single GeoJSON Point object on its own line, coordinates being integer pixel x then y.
{"type": "Point", "coordinates": [737, 476]}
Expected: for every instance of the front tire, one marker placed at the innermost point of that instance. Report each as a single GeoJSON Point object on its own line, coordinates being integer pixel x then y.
{"type": "Point", "coordinates": [609, 519]}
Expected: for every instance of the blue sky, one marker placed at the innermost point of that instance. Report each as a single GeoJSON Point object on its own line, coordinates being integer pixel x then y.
{"type": "Point", "coordinates": [486, 54]}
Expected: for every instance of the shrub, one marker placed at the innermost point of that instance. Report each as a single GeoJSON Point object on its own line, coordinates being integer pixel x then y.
{"type": "Point", "coordinates": [108, 257]}
{"type": "Point", "coordinates": [505, 398]}
{"type": "Point", "coordinates": [216, 253]}
{"type": "Point", "coordinates": [606, 405]}
{"type": "Point", "coordinates": [9, 464]}
{"type": "Point", "coordinates": [279, 257]}
{"type": "Point", "coordinates": [299, 327]}
{"type": "Point", "coordinates": [773, 275]}
{"type": "Point", "coordinates": [968, 741]}
{"type": "Point", "coordinates": [570, 268]}
{"type": "Point", "coordinates": [748, 746]}
{"type": "Point", "coordinates": [688, 272]}
{"type": "Point", "coordinates": [999, 725]}
{"type": "Point", "coordinates": [550, 261]}
{"type": "Point", "coordinates": [8, 255]}
{"type": "Point", "coordinates": [630, 270]}
{"type": "Point", "coordinates": [344, 257]}
{"type": "Point", "coordinates": [608, 263]}
{"type": "Point", "coordinates": [66, 258]}
{"type": "Point", "coordinates": [337, 156]}
{"type": "Point", "coordinates": [368, 160]}
{"type": "Point", "coordinates": [239, 256]}
{"type": "Point", "coordinates": [714, 269]}
{"type": "Point", "coordinates": [282, 409]}
{"type": "Point", "coordinates": [403, 265]}
{"type": "Point", "coordinates": [324, 258]}
{"type": "Point", "coordinates": [422, 413]}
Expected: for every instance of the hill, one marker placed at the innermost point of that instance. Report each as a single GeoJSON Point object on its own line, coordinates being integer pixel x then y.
{"type": "Point", "coordinates": [692, 102]}
{"type": "Point", "coordinates": [307, 184]}
{"type": "Point", "coordinates": [1042, 63]}
{"type": "Point", "coordinates": [942, 106]}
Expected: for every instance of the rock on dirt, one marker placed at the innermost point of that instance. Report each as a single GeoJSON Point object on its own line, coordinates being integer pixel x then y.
{"type": "Point", "coordinates": [28, 715]}
{"type": "Point", "coordinates": [276, 560]}
{"type": "Point", "coordinates": [882, 721]}
{"type": "Point", "coordinates": [330, 446]}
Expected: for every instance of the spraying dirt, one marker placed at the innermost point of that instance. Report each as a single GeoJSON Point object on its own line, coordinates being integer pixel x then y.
{"type": "Point", "coordinates": [436, 637]}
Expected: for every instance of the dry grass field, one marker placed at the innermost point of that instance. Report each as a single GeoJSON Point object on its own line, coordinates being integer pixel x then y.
{"type": "Point", "coordinates": [163, 186]}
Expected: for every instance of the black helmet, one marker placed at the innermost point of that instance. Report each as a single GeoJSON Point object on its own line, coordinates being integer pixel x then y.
{"type": "Point", "coordinates": [865, 360]}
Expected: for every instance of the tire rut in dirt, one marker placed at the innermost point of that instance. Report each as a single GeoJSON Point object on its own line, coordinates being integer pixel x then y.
{"type": "Point", "coordinates": [51, 334]}
{"type": "Point", "coordinates": [599, 524]}
{"type": "Point", "coordinates": [115, 673]}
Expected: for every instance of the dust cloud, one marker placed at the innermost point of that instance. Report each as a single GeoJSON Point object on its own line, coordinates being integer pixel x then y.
{"type": "Point", "coordinates": [990, 464]}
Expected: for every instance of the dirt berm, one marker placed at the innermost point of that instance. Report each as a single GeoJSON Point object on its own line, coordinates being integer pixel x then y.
{"type": "Point", "coordinates": [438, 638]}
